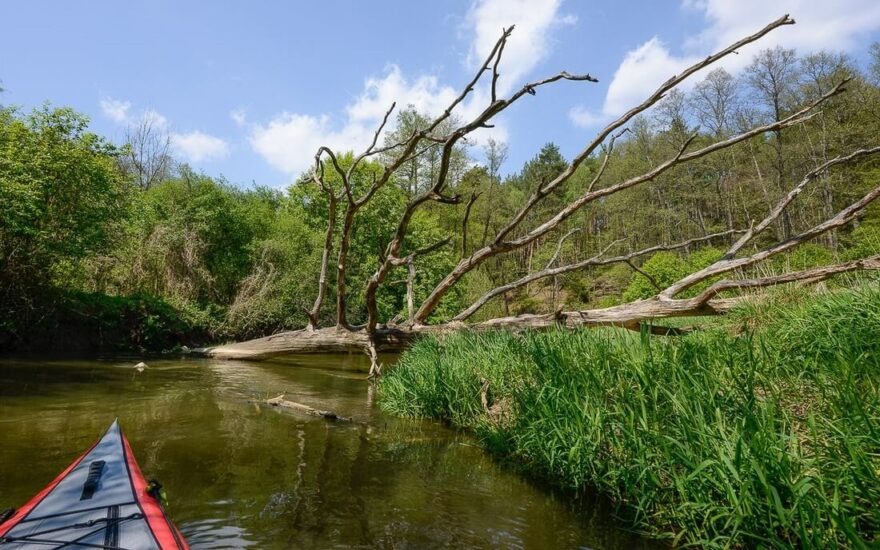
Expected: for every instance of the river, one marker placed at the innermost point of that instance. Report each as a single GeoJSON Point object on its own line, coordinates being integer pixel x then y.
{"type": "Point", "coordinates": [240, 474]}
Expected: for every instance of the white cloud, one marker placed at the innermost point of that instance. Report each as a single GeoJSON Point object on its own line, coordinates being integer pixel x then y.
{"type": "Point", "coordinates": [289, 140]}
{"type": "Point", "coordinates": [239, 117]}
{"type": "Point", "coordinates": [531, 39]}
{"type": "Point", "coordinates": [155, 119]}
{"type": "Point", "coordinates": [195, 146]}
{"type": "Point", "coordinates": [115, 109]}
{"type": "Point", "coordinates": [119, 111]}
{"type": "Point", "coordinates": [842, 25]}
{"type": "Point", "coordinates": [198, 146]}
{"type": "Point", "coordinates": [642, 70]}
{"type": "Point", "coordinates": [586, 118]}
{"type": "Point", "coordinates": [425, 94]}
{"type": "Point", "coordinates": [839, 25]}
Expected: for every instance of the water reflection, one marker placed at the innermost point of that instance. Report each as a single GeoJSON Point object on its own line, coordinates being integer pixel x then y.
{"type": "Point", "coordinates": [239, 474]}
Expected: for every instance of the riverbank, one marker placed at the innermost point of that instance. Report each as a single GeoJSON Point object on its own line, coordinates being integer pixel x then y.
{"type": "Point", "coordinates": [762, 431]}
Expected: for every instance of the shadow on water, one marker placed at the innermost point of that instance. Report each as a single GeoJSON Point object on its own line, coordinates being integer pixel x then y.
{"type": "Point", "coordinates": [239, 474]}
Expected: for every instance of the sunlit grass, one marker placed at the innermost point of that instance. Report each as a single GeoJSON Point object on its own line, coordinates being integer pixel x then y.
{"type": "Point", "coordinates": [766, 438]}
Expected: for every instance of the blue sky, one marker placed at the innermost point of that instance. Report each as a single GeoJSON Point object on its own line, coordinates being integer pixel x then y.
{"type": "Point", "coordinates": [250, 89]}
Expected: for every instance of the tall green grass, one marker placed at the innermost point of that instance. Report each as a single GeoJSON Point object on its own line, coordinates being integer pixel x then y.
{"type": "Point", "coordinates": [767, 438]}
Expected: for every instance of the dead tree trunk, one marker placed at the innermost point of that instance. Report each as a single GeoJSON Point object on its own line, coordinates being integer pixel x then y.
{"type": "Point", "coordinates": [377, 336]}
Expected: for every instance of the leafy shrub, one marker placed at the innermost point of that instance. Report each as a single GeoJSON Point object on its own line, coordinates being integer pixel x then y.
{"type": "Point", "coordinates": [664, 267]}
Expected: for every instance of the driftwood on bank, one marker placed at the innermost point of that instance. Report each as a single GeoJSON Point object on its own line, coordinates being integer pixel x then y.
{"type": "Point", "coordinates": [279, 401]}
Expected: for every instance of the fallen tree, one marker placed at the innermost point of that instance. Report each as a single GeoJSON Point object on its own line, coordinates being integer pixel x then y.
{"type": "Point", "coordinates": [377, 335]}
{"type": "Point", "coordinates": [279, 401]}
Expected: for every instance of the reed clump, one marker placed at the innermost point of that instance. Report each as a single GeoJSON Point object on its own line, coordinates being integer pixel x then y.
{"type": "Point", "coordinates": [767, 437]}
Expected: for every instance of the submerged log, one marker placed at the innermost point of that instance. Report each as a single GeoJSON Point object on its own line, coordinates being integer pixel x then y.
{"type": "Point", "coordinates": [279, 401]}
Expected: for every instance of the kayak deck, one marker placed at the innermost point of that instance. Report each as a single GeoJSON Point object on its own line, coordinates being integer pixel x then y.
{"type": "Point", "coordinates": [99, 501]}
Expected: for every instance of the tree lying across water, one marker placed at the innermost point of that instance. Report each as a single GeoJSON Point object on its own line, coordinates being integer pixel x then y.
{"type": "Point", "coordinates": [350, 184]}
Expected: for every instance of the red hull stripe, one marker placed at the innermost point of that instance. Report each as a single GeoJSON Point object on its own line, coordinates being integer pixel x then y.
{"type": "Point", "coordinates": [165, 532]}
{"type": "Point", "coordinates": [32, 503]}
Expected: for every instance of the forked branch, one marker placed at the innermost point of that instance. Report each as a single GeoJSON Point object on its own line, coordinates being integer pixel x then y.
{"type": "Point", "coordinates": [500, 245]}
{"type": "Point", "coordinates": [726, 265]}
{"type": "Point", "coordinates": [593, 261]}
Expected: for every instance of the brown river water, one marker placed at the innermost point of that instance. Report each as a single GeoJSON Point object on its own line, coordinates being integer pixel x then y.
{"type": "Point", "coordinates": [243, 475]}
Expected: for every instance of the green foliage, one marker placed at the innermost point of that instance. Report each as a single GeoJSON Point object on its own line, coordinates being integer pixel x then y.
{"type": "Point", "coordinates": [282, 283]}
{"type": "Point", "coordinates": [766, 439]}
{"type": "Point", "coordinates": [193, 238]}
{"type": "Point", "coordinates": [93, 322]}
{"type": "Point", "coordinates": [864, 241]}
{"type": "Point", "coordinates": [803, 257]}
{"type": "Point", "coordinates": [245, 262]}
{"type": "Point", "coordinates": [664, 267]}
{"type": "Point", "coordinates": [61, 195]}
{"type": "Point", "coordinates": [418, 174]}
{"type": "Point", "coordinates": [424, 231]}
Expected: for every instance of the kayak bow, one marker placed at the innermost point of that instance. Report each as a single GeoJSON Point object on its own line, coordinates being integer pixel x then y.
{"type": "Point", "coordinates": [100, 501]}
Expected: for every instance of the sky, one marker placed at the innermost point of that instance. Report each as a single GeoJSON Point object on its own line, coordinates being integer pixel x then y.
{"type": "Point", "coordinates": [250, 90]}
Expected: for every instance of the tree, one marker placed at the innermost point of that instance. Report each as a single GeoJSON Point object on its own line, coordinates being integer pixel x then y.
{"type": "Point", "coordinates": [61, 194]}
{"type": "Point", "coordinates": [496, 155]}
{"type": "Point", "coordinates": [191, 238]}
{"type": "Point", "coordinates": [773, 76]}
{"type": "Point", "coordinates": [417, 172]}
{"type": "Point", "coordinates": [820, 71]}
{"type": "Point", "coordinates": [874, 65]}
{"type": "Point", "coordinates": [715, 100]}
{"type": "Point", "coordinates": [553, 200]}
{"type": "Point", "coordinates": [146, 155]}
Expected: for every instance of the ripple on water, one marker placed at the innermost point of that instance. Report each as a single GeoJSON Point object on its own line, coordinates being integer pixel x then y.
{"type": "Point", "coordinates": [215, 533]}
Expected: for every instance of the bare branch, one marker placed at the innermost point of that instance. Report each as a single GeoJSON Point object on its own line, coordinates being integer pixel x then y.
{"type": "Point", "coordinates": [559, 247]}
{"type": "Point", "coordinates": [375, 338]}
{"type": "Point", "coordinates": [606, 157]}
{"type": "Point", "coordinates": [370, 150]}
{"type": "Point", "coordinates": [410, 144]}
{"type": "Point", "coordinates": [480, 121]}
{"type": "Point", "coordinates": [725, 265]}
{"type": "Point", "coordinates": [626, 117]}
{"type": "Point", "coordinates": [323, 150]}
{"type": "Point", "coordinates": [787, 199]}
{"type": "Point", "coordinates": [813, 275]}
{"type": "Point", "coordinates": [325, 260]}
{"type": "Point", "coordinates": [644, 274]}
{"type": "Point", "coordinates": [500, 246]}
{"type": "Point", "coordinates": [318, 177]}
{"type": "Point", "coordinates": [444, 199]}
{"type": "Point", "coordinates": [147, 156]}
{"type": "Point", "coordinates": [464, 222]}
{"type": "Point", "coordinates": [420, 252]}
{"type": "Point", "coordinates": [495, 68]}
{"type": "Point", "coordinates": [410, 290]}
{"type": "Point", "coordinates": [596, 260]}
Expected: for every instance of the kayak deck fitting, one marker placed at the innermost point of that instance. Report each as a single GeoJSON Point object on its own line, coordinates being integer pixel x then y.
{"type": "Point", "coordinates": [100, 501]}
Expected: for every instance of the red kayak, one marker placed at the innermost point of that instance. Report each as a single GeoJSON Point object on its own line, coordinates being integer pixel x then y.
{"type": "Point", "coordinates": [100, 501]}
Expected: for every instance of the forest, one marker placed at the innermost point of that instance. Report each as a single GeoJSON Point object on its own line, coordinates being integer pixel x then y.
{"type": "Point", "coordinates": [123, 238]}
